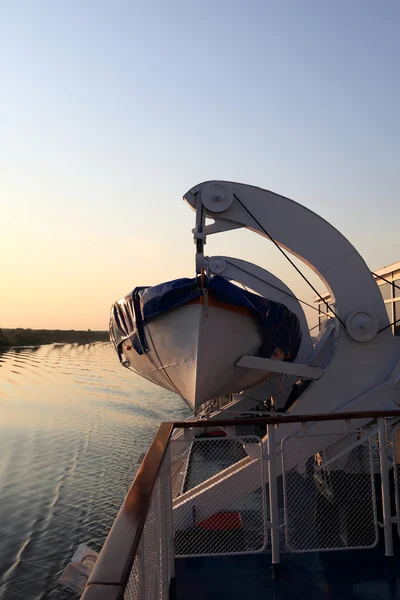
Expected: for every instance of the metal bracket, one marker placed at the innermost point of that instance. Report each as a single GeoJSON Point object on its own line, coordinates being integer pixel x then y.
{"type": "Point", "coordinates": [220, 225]}
{"type": "Point", "coordinates": [267, 364]}
{"type": "Point", "coordinates": [303, 428]}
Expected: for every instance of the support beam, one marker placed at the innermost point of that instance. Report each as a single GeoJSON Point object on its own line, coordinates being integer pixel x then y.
{"type": "Point", "coordinates": [273, 494]}
{"type": "Point", "coordinates": [276, 366]}
{"type": "Point", "coordinates": [385, 488]}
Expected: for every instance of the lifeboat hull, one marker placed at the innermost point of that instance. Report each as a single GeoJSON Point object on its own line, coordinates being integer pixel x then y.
{"type": "Point", "coordinates": [193, 350]}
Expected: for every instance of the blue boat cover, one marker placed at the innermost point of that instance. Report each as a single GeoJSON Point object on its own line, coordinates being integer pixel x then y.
{"type": "Point", "coordinates": [128, 316]}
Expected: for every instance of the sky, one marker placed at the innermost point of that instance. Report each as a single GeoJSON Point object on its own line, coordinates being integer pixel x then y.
{"type": "Point", "coordinates": [111, 111]}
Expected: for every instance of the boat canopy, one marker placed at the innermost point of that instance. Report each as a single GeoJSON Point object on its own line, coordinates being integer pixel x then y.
{"type": "Point", "coordinates": [129, 315]}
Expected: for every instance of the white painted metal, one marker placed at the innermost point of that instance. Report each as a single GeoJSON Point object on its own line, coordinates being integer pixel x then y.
{"type": "Point", "coordinates": [166, 486]}
{"type": "Point", "coordinates": [385, 487]}
{"type": "Point", "coordinates": [361, 325]}
{"type": "Point", "coordinates": [338, 457]}
{"type": "Point", "coordinates": [360, 375]}
{"type": "Point", "coordinates": [396, 473]}
{"type": "Point", "coordinates": [325, 344]}
{"type": "Point", "coordinates": [193, 350]}
{"type": "Point", "coordinates": [239, 405]}
{"type": "Point", "coordinates": [213, 452]}
{"type": "Point", "coordinates": [217, 197]}
{"type": "Point", "coordinates": [231, 480]}
{"type": "Point", "coordinates": [356, 367]}
{"type": "Point", "coordinates": [287, 368]}
{"type": "Point", "coordinates": [362, 371]}
{"type": "Point", "coordinates": [220, 226]}
{"type": "Point", "coordinates": [362, 358]}
{"type": "Point", "coordinates": [303, 428]}
{"type": "Point", "coordinates": [267, 285]}
{"type": "Point", "coordinates": [215, 495]}
{"type": "Point", "coordinates": [273, 495]}
{"type": "Point", "coordinates": [141, 592]}
{"type": "Point", "coordinates": [338, 473]}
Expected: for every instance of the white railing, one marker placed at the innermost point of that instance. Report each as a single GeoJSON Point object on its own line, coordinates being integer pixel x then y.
{"type": "Point", "coordinates": [396, 472]}
{"type": "Point", "coordinates": [222, 495]}
{"type": "Point", "coordinates": [213, 519]}
{"type": "Point", "coordinates": [329, 500]}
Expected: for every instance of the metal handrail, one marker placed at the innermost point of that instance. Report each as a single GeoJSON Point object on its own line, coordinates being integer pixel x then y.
{"type": "Point", "coordinates": [280, 419]}
{"type": "Point", "coordinates": [111, 572]}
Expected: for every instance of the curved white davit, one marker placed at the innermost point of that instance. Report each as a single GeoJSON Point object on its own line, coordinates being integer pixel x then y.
{"type": "Point", "coordinates": [205, 337]}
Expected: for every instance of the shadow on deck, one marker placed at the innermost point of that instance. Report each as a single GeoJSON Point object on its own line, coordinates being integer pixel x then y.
{"type": "Point", "coordinates": [356, 574]}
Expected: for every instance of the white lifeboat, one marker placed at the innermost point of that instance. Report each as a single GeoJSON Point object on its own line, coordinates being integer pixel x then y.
{"type": "Point", "coordinates": [188, 339]}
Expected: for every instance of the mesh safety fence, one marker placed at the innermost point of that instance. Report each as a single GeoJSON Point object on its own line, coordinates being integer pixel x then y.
{"type": "Point", "coordinates": [146, 580]}
{"type": "Point", "coordinates": [219, 496]}
{"type": "Point", "coordinates": [396, 472]}
{"type": "Point", "coordinates": [135, 588]}
{"type": "Point", "coordinates": [329, 495]}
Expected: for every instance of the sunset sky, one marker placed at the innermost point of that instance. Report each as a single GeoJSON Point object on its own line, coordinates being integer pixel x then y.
{"type": "Point", "coordinates": [111, 111]}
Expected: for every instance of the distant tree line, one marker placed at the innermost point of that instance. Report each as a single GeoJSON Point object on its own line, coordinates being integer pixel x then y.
{"type": "Point", "coordinates": [35, 337]}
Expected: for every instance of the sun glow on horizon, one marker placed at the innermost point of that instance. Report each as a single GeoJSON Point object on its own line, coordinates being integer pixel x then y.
{"type": "Point", "coordinates": [102, 134]}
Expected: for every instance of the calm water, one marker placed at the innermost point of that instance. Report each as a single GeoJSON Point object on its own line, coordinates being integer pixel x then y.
{"type": "Point", "coordinates": [72, 425]}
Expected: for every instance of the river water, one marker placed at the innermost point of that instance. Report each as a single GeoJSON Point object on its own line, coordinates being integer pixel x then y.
{"type": "Point", "coordinates": [73, 423]}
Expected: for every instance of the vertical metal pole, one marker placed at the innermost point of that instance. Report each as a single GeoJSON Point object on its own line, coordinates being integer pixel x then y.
{"type": "Point", "coordinates": [165, 527]}
{"type": "Point", "coordinates": [141, 570]}
{"type": "Point", "coordinates": [385, 488]}
{"type": "Point", "coordinates": [199, 235]}
{"type": "Point", "coordinates": [166, 487]}
{"type": "Point", "coordinates": [273, 496]}
{"type": "Point", "coordinates": [396, 449]}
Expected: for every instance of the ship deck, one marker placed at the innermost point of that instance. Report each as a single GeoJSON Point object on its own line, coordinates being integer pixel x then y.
{"type": "Point", "coordinates": [366, 574]}
{"type": "Point", "coordinates": [212, 524]}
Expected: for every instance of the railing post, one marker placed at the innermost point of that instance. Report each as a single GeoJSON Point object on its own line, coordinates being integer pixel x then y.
{"type": "Point", "coordinates": [168, 518]}
{"type": "Point", "coordinates": [396, 450]}
{"type": "Point", "coordinates": [141, 570]}
{"type": "Point", "coordinates": [273, 496]}
{"type": "Point", "coordinates": [385, 488]}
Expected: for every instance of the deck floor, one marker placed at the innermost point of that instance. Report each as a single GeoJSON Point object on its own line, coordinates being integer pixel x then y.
{"type": "Point", "coordinates": [356, 574]}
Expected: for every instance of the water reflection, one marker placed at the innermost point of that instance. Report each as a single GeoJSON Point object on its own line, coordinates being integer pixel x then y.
{"type": "Point", "coordinates": [72, 424]}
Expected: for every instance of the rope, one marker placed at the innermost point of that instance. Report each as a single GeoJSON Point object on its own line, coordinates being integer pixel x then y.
{"type": "Point", "coordinates": [275, 287]}
{"type": "Point", "coordinates": [390, 325]}
{"type": "Point", "coordinates": [289, 259]}
{"type": "Point", "coordinates": [392, 283]}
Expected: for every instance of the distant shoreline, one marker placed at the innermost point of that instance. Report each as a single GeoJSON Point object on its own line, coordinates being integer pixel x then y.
{"type": "Point", "coordinates": [11, 338]}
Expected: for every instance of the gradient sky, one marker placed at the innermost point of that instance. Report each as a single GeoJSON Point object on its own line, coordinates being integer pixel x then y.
{"type": "Point", "coordinates": [111, 111]}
